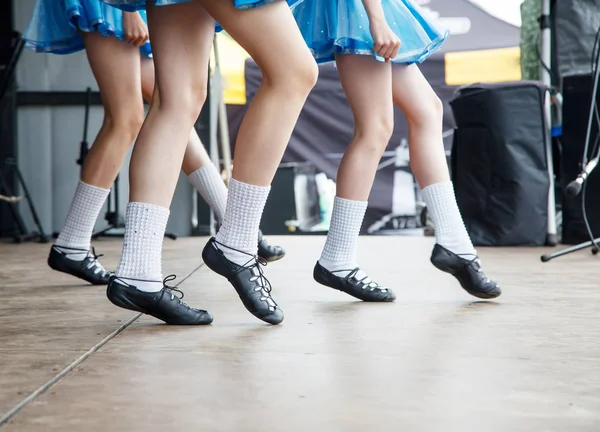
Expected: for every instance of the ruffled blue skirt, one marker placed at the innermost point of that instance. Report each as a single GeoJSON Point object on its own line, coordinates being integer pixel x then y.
{"type": "Point", "coordinates": [332, 27]}
{"type": "Point", "coordinates": [133, 5]}
{"type": "Point", "coordinates": [55, 25]}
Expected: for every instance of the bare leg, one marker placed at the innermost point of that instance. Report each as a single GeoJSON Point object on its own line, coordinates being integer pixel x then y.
{"type": "Point", "coordinates": [454, 252]}
{"type": "Point", "coordinates": [423, 110]}
{"type": "Point", "coordinates": [202, 173]}
{"type": "Point", "coordinates": [270, 35]}
{"type": "Point", "coordinates": [181, 41]}
{"type": "Point", "coordinates": [195, 156]}
{"type": "Point", "coordinates": [364, 80]}
{"type": "Point", "coordinates": [116, 68]}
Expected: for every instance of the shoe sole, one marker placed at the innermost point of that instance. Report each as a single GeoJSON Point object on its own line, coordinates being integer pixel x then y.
{"type": "Point", "coordinates": [123, 303]}
{"type": "Point", "coordinates": [478, 294]}
{"type": "Point", "coordinates": [387, 300]}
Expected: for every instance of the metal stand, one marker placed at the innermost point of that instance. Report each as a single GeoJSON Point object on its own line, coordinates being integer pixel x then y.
{"type": "Point", "coordinates": [215, 125]}
{"type": "Point", "coordinates": [574, 188]}
{"type": "Point", "coordinates": [11, 168]}
{"type": "Point", "coordinates": [546, 59]}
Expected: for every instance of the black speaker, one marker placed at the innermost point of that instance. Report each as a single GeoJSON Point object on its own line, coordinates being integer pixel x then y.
{"type": "Point", "coordinates": [577, 96]}
{"type": "Point", "coordinates": [499, 165]}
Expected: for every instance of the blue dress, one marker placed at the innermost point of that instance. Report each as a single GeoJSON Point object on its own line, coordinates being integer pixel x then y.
{"type": "Point", "coordinates": [332, 27]}
{"type": "Point", "coordinates": [55, 25]}
{"type": "Point", "coordinates": [133, 5]}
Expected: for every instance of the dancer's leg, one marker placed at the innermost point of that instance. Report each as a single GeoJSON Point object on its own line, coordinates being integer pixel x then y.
{"type": "Point", "coordinates": [454, 252]}
{"type": "Point", "coordinates": [203, 174]}
{"type": "Point", "coordinates": [363, 79]}
{"type": "Point", "coordinates": [423, 111]}
{"type": "Point", "coordinates": [116, 68]}
{"type": "Point", "coordinates": [270, 35]}
{"type": "Point", "coordinates": [181, 42]}
{"type": "Point", "coordinates": [197, 165]}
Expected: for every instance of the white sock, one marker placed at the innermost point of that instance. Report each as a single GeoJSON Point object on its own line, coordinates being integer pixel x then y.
{"type": "Point", "coordinates": [141, 260]}
{"type": "Point", "coordinates": [450, 230]}
{"type": "Point", "coordinates": [245, 205]}
{"type": "Point", "coordinates": [79, 226]}
{"type": "Point", "coordinates": [209, 183]}
{"type": "Point", "coordinates": [339, 252]}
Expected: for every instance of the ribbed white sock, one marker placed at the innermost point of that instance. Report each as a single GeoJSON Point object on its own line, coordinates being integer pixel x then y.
{"type": "Point", "coordinates": [209, 183]}
{"type": "Point", "coordinates": [245, 205]}
{"type": "Point", "coordinates": [450, 230]}
{"type": "Point", "coordinates": [141, 260]}
{"type": "Point", "coordinates": [339, 252]}
{"type": "Point", "coordinates": [81, 218]}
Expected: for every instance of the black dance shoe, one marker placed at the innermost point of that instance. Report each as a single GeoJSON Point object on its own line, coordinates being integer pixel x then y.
{"type": "Point", "coordinates": [163, 304]}
{"type": "Point", "coordinates": [362, 289]}
{"type": "Point", "coordinates": [248, 280]}
{"type": "Point", "coordinates": [467, 272]}
{"type": "Point", "coordinates": [267, 251]}
{"type": "Point", "coordinates": [89, 269]}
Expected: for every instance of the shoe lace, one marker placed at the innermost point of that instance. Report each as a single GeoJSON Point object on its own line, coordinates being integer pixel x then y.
{"type": "Point", "coordinates": [170, 289]}
{"type": "Point", "coordinates": [94, 263]}
{"type": "Point", "coordinates": [364, 282]}
{"type": "Point", "coordinates": [173, 289]}
{"type": "Point", "coordinates": [255, 264]}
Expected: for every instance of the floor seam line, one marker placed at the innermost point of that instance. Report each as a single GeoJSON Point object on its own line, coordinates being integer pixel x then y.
{"type": "Point", "coordinates": [77, 362]}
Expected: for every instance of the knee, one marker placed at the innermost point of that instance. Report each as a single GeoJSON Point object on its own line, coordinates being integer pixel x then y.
{"type": "Point", "coordinates": [185, 104]}
{"type": "Point", "coordinates": [126, 122]}
{"type": "Point", "coordinates": [376, 134]}
{"type": "Point", "coordinates": [297, 79]}
{"type": "Point", "coordinates": [428, 112]}
{"type": "Point", "coordinates": [195, 98]}
{"type": "Point", "coordinates": [307, 74]}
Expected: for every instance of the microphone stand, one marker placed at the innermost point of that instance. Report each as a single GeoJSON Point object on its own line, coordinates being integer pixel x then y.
{"type": "Point", "coordinates": [574, 188]}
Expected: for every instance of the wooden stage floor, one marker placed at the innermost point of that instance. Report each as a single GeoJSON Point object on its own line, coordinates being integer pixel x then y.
{"type": "Point", "coordinates": [436, 360]}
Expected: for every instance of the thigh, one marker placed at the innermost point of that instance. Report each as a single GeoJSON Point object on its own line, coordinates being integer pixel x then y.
{"type": "Point", "coordinates": [116, 68]}
{"type": "Point", "coordinates": [412, 92]}
{"type": "Point", "coordinates": [181, 37]}
{"type": "Point", "coordinates": [268, 33]}
{"type": "Point", "coordinates": [368, 87]}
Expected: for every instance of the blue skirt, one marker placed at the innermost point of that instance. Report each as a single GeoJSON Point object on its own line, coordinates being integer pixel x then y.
{"type": "Point", "coordinates": [332, 27]}
{"type": "Point", "coordinates": [55, 25]}
{"type": "Point", "coordinates": [133, 5]}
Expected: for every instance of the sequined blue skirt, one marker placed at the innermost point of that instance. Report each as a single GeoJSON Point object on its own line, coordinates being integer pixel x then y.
{"type": "Point", "coordinates": [55, 25]}
{"type": "Point", "coordinates": [133, 5]}
{"type": "Point", "coordinates": [332, 27]}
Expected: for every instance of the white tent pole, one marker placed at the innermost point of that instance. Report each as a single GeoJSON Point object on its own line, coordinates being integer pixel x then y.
{"type": "Point", "coordinates": [546, 60]}
{"type": "Point", "coordinates": [213, 121]}
{"type": "Point", "coordinates": [222, 115]}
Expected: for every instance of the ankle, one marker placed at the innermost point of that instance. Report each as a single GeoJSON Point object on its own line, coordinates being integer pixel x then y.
{"type": "Point", "coordinates": [78, 253]}
{"type": "Point", "coordinates": [241, 257]}
{"type": "Point", "coordinates": [150, 284]}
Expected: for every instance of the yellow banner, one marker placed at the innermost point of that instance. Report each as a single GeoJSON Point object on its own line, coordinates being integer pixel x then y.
{"type": "Point", "coordinates": [495, 65]}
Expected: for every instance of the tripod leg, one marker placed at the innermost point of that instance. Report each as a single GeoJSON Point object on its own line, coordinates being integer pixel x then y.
{"type": "Point", "coordinates": [14, 209]}
{"type": "Point", "coordinates": [42, 234]}
{"type": "Point", "coordinates": [548, 257]}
